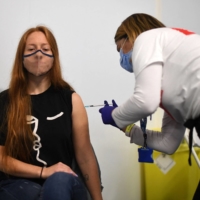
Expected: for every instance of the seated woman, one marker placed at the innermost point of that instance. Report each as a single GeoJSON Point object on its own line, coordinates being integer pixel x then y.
{"type": "Point", "coordinates": [44, 128]}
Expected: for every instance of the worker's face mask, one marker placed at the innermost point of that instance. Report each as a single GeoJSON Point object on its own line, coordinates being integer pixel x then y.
{"type": "Point", "coordinates": [38, 63]}
{"type": "Point", "coordinates": [125, 59]}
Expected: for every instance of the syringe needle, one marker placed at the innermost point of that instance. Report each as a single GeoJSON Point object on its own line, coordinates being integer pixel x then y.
{"type": "Point", "coordinates": [95, 105]}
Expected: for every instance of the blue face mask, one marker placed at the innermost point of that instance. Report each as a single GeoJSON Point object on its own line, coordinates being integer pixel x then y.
{"type": "Point", "coordinates": [125, 60]}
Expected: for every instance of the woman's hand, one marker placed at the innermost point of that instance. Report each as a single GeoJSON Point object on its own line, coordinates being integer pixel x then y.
{"type": "Point", "coordinates": [59, 167]}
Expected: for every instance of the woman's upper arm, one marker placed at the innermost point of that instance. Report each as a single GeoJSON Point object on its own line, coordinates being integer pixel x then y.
{"type": "Point", "coordinates": [79, 123]}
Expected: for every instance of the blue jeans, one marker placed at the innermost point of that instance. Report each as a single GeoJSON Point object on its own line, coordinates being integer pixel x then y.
{"type": "Point", "coordinates": [59, 186]}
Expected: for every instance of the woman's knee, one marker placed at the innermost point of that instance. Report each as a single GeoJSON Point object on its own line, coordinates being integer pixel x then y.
{"type": "Point", "coordinates": [19, 189]}
{"type": "Point", "coordinates": [61, 177]}
{"type": "Point", "coordinates": [63, 185]}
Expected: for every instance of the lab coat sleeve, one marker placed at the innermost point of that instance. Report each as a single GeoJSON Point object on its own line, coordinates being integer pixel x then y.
{"type": "Point", "coordinates": [166, 141]}
{"type": "Point", "coordinates": [145, 99]}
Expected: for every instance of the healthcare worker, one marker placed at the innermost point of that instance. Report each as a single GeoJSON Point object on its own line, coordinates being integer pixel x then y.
{"type": "Point", "coordinates": [166, 65]}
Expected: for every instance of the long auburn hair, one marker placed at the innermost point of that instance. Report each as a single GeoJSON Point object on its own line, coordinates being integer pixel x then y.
{"type": "Point", "coordinates": [20, 138]}
{"type": "Point", "coordinates": [135, 24]}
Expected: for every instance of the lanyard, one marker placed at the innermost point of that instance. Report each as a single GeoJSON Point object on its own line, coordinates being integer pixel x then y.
{"type": "Point", "coordinates": [143, 124]}
{"type": "Point", "coordinates": [145, 153]}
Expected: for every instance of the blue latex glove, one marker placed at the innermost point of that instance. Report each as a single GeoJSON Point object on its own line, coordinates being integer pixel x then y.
{"type": "Point", "coordinates": [106, 113]}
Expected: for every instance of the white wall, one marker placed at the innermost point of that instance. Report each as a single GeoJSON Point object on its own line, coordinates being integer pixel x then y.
{"type": "Point", "coordinates": [84, 31]}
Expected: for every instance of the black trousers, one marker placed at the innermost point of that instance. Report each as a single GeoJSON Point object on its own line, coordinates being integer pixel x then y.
{"type": "Point", "coordinates": [194, 123]}
{"type": "Point", "coordinates": [197, 193]}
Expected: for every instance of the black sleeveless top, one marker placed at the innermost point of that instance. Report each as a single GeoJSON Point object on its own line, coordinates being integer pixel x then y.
{"type": "Point", "coordinates": [51, 123]}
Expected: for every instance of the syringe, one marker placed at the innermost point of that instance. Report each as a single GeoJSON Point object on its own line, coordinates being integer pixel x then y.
{"type": "Point", "coordinates": [95, 105]}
